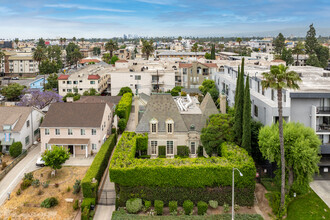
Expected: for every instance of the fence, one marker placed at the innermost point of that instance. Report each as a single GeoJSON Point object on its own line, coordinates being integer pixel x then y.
{"type": "Point", "coordinates": [10, 166]}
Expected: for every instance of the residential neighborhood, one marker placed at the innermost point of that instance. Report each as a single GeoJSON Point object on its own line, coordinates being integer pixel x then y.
{"type": "Point", "coordinates": [164, 110]}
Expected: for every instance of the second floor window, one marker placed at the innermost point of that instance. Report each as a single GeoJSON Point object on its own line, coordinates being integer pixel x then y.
{"type": "Point", "coordinates": [93, 131]}
{"type": "Point", "coordinates": [92, 82]}
{"type": "Point", "coordinates": [28, 123]}
{"type": "Point", "coordinates": [82, 131]}
{"type": "Point", "coordinates": [70, 131]}
{"type": "Point", "coordinates": [57, 131]}
{"type": "Point", "coordinates": [46, 131]}
{"type": "Point", "coordinates": [169, 128]}
{"type": "Point", "coordinates": [153, 128]}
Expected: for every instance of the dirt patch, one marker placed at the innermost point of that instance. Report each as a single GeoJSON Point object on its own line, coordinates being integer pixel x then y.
{"type": "Point", "coordinates": [262, 201]}
{"type": "Point", "coordinates": [27, 205]}
{"type": "Point", "coordinates": [6, 159]}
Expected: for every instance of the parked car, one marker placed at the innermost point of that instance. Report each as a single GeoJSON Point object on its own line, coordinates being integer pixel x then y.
{"type": "Point", "coordinates": [14, 78]}
{"type": "Point", "coordinates": [40, 162]}
{"type": "Point", "coordinates": [2, 98]}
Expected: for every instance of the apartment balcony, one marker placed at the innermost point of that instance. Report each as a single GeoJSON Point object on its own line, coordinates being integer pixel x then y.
{"type": "Point", "coordinates": [323, 128]}
{"type": "Point", "coordinates": [322, 110]}
{"type": "Point", "coordinates": [154, 82]}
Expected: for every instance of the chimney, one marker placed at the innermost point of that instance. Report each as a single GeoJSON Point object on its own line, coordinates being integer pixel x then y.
{"type": "Point", "coordinates": [223, 104]}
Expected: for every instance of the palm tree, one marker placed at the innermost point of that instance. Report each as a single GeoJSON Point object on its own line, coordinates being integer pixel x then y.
{"type": "Point", "coordinates": [74, 39]}
{"type": "Point", "coordinates": [64, 40]}
{"type": "Point", "coordinates": [39, 55]}
{"type": "Point", "coordinates": [147, 48]}
{"type": "Point", "coordinates": [61, 41]}
{"type": "Point", "coordinates": [298, 49]}
{"type": "Point", "coordinates": [111, 46]}
{"type": "Point", "coordinates": [16, 42]}
{"type": "Point", "coordinates": [239, 40]}
{"type": "Point", "coordinates": [194, 48]}
{"type": "Point", "coordinates": [2, 55]}
{"type": "Point", "coordinates": [278, 78]}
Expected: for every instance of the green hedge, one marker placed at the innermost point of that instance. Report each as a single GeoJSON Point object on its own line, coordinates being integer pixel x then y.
{"type": "Point", "coordinates": [161, 151]}
{"type": "Point", "coordinates": [15, 149]}
{"type": "Point", "coordinates": [125, 170]}
{"type": "Point", "coordinates": [123, 109]}
{"type": "Point", "coordinates": [183, 151]}
{"type": "Point", "coordinates": [96, 170]}
{"type": "Point", "coordinates": [119, 215]}
{"type": "Point", "coordinates": [142, 142]}
{"type": "Point", "coordinates": [87, 202]}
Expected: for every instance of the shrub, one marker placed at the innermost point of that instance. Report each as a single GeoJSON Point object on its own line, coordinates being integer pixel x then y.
{"type": "Point", "coordinates": [274, 199]}
{"type": "Point", "coordinates": [200, 151]}
{"type": "Point", "coordinates": [76, 187]}
{"type": "Point", "coordinates": [113, 130]}
{"type": "Point", "coordinates": [28, 176]}
{"type": "Point", "coordinates": [142, 142]}
{"type": "Point", "coordinates": [45, 184]}
{"type": "Point", "coordinates": [159, 205]}
{"type": "Point", "coordinates": [75, 205]}
{"type": "Point", "coordinates": [18, 192]}
{"type": "Point", "coordinates": [134, 205]}
{"type": "Point", "coordinates": [173, 205]}
{"type": "Point", "coordinates": [87, 202]}
{"type": "Point", "coordinates": [183, 151]}
{"type": "Point", "coordinates": [15, 149]}
{"type": "Point", "coordinates": [202, 208]}
{"type": "Point", "coordinates": [147, 204]}
{"type": "Point", "coordinates": [68, 189]}
{"type": "Point", "coordinates": [236, 207]}
{"type": "Point", "coordinates": [85, 214]}
{"type": "Point", "coordinates": [214, 204]}
{"type": "Point", "coordinates": [161, 150]}
{"type": "Point", "coordinates": [122, 124]}
{"type": "Point", "coordinates": [183, 93]}
{"type": "Point", "coordinates": [35, 183]}
{"type": "Point", "coordinates": [188, 207]}
{"type": "Point", "coordinates": [225, 207]}
{"type": "Point", "coordinates": [124, 106]}
{"type": "Point", "coordinates": [97, 168]}
{"type": "Point", "coordinates": [49, 202]}
{"type": "Point", "coordinates": [25, 184]}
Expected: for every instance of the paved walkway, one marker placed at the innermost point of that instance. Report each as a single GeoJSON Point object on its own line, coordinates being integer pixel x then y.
{"type": "Point", "coordinates": [322, 189]}
{"type": "Point", "coordinates": [27, 164]}
{"type": "Point", "coordinates": [79, 161]}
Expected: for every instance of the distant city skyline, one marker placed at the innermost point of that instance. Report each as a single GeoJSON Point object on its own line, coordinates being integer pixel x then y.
{"type": "Point", "coordinates": [156, 18]}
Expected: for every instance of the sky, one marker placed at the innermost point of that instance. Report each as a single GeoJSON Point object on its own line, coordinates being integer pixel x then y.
{"type": "Point", "coordinates": [149, 18]}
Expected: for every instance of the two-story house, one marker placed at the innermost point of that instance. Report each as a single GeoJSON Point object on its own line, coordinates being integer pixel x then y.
{"type": "Point", "coordinates": [173, 121]}
{"type": "Point", "coordinates": [19, 124]}
{"type": "Point", "coordinates": [79, 127]}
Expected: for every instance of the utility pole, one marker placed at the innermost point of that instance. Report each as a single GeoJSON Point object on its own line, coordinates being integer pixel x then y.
{"type": "Point", "coordinates": [157, 82]}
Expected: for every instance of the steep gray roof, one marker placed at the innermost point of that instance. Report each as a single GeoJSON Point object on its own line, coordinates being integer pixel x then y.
{"type": "Point", "coordinates": [197, 120]}
{"type": "Point", "coordinates": [161, 107]}
{"type": "Point", "coordinates": [208, 107]}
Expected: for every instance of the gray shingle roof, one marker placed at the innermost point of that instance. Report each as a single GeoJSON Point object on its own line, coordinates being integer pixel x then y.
{"type": "Point", "coordinates": [208, 107]}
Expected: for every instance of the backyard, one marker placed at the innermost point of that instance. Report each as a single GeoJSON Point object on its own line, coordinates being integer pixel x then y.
{"type": "Point", "coordinates": [25, 204]}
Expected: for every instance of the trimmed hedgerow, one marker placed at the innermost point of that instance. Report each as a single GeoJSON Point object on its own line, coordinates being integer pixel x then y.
{"type": "Point", "coordinates": [173, 206]}
{"type": "Point", "coordinates": [180, 172]}
{"type": "Point", "coordinates": [183, 151]}
{"type": "Point", "coordinates": [243, 196]}
{"type": "Point", "coordinates": [142, 142]}
{"type": "Point", "coordinates": [202, 208]}
{"type": "Point", "coordinates": [123, 109]}
{"type": "Point", "coordinates": [87, 202]}
{"type": "Point", "coordinates": [188, 207]}
{"type": "Point", "coordinates": [97, 168]}
{"type": "Point", "coordinates": [134, 205]}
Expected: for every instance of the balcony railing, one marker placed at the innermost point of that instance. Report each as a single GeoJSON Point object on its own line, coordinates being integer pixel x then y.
{"type": "Point", "coordinates": [323, 128]}
{"type": "Point", "coordinates": [323, 110]}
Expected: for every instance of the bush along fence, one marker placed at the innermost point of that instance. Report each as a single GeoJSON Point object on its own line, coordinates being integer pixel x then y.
{"type": "Point", "coordinates": [123, 110]}
{"type": "Point", "coordinates": [90, 183]}
{"type": "Point", "coordinates": [197, 179]}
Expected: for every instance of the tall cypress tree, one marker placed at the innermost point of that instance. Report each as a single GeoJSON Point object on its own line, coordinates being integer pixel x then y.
{"type": "Point", "coordinates": [246, 139]}
{"type": "Point", "coordinates": [213, 52]}
{"type": "Point", "coordinates": [238, 123]}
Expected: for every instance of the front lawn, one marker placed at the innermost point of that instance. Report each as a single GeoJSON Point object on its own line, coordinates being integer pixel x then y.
{"type": "Point", "coordinates": [308, 206]}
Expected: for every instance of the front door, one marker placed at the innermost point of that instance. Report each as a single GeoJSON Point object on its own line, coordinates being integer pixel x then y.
{"type": "Point", "coordinates": [70, 147]}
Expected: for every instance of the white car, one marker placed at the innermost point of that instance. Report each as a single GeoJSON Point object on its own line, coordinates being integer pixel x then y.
{"type": "Point", "coordinates": [40, 162]}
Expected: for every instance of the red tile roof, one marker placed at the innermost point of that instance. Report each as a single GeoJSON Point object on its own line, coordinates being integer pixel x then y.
{"type": "Point", "coordinates": [185, 65]}
{"type": "Point", "coordinates": [63, 77]}
{"type": "Point", "coordinates": [89, 60]}
{"type": "Point", "coordinates": [121, 61]}
{"type": "Point", "coordinates": [211, 65]}
{"type": "Point", "coordinates": [94, 76]}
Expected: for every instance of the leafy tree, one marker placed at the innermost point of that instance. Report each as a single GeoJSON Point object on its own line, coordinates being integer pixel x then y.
{"type": "Point", "coordinates": [90, 92]}
{"type": "Point", "coordinates": [279, 43]}
{"type": "Point", "coordinates": [311, 41]}
{"type": "Point", "coordinates": [12, 91]}
{"type": "Point", "coordinates": [214, 94]}
{"type": "Point", "coordinates": [39, 99]}
{"type": "Point", "coordinates": [123, 46]}
{"type": "Point", "coordinates": [124, 90]}
{"type": "Point", "coordinates": [76, 55]}
{"type": "Point", "coordinates": [287, 56]}
{"type": "Point", "coordinates": [313, 60]}
{"type": "Point", "coordinates": [322, 54]}
{"type": "Point", "coordinates": [73, 54]}
{"type": "Point", "coordinates": [39, 55]}
{"type": "Point", "coordinates": [239, 103]}
{"type": "Point", "coordinates": [106, 57]}
{"type": "Point", "coordinates": [114, 59]}
{"type": "Point", "coordinates": [255, 151]}
{"type": "Point", "coordinates": [52, 82]}
{"type": "Point", "coordinates": [302, 148]}
{"type": "Point", "coordinates": [179, 38]}
{"type": "Point", "coordinates": [246, 137]}
{"type": "Point", "coordinates": [96, 51]}
{"type": "Point", "coordinates": [41, 43]}
{"type": "Point", "coordinates": [76, 96]}
{"type": "Point", "coordinates": [200, 49]}
{"type": "Point", "coordinates": [111, 46]}
{"type": "Point", "coordinates": [147, 48]}
{"type": "Point", "coordinates": [206, 86]}
{"type": "Point", "coordinates": [213, 52]}
{"type": "Point", "coordinates": [278, 78]}
{"type": "Point", "coordinates": [207, 56]}
{"type": "Point", "coordinates": [194, 48]}
{"type": "Point", "coordinates": [55, 157]}
{"type": "Point", "coordinates": [218, 131]}
{"type": "Point", "coordinates": [15, 149]}
{"type": "Point", "coordinates": [298, 49]}
{"type": "Point", "coordinates": [74, 39]}
{"type": "Point", "coordinates": [48, 67]}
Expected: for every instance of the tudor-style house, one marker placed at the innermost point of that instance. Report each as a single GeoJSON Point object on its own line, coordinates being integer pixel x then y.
{"type": "Point", "coordinates": [174, 121]}
{"type": "Point", "coordinates": [81, 128]}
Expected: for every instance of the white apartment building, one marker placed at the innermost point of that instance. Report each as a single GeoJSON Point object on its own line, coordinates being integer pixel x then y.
{"type": "Point", "coordinates": [18, 63]}
{"type": "Point", "coordinates": [96, 76]}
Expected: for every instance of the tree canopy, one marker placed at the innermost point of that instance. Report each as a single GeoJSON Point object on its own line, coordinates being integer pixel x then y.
{"type": "Point", "coordinates": [55, 157]}
{"type": "Point", "coordinates": [124, 90]}
{"type": "Point", "coordinates": [208, 86]}
{"type": "Point", "coordinates": [12, 91]}
{"type": "Point", "coordinates": [113, 59]}
{"type": "Point", "coordinates": [52, 82]}
{"type": "Point", "coordinates": [279, 43]}
{"type": "Point", "coordinates": [39, 99]}
{"type": "Point", "coordinates": [301, 146]}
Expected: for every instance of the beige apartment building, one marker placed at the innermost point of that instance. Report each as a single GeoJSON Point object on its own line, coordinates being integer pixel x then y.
{"type": "Point", "coordinates": [96, 76]}
{"type": "Point", "coordinates": [193, 74]}
{"type": "Point", "coordinates": [81, 128]}
{"type": "Point", "coordinates": [19, 63]}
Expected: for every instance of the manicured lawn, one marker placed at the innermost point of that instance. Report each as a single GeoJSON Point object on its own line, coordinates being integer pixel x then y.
{"type": "Point", "coordinates": [308, 206]}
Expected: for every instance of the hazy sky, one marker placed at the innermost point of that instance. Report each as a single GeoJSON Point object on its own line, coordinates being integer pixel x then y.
{"type": "Point", "coordinates": [110, 18]}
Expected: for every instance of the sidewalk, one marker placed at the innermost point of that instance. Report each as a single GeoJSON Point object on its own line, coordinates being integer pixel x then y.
{"type": "Point", "coordinates": [27, 164]}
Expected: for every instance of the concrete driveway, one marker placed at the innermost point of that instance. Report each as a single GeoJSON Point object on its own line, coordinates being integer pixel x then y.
{"type": "Point", "coordinates": [322, 189]}
{"type": "Point", "coordinates": [26, 165]}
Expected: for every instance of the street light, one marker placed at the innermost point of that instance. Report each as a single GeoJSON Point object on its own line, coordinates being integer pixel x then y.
{"type": "Point", "coordinates": [232, 199]}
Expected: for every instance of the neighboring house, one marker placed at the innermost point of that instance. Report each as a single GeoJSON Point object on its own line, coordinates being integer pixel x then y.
{"type": "Point", "coordinates": [183, 55]}
{"type": "Point", "coordinates": [95, 76]}
{"type": "Point", "coordinates": [81, 128]}
{"type": "Point", "coordinates": [193, 74]}
{"type": "Point", "coordinates": [38, 84]}
{"type": "Point", "coordinates": [173, 121]}
{"type": "Point", "coordinates": [19, 124]}
{"type": "Point", "coordinates": [18, 63]}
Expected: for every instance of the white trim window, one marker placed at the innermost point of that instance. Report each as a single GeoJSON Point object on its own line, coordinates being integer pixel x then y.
{"type": "Point", "coordinates": [169, 126]}
{"type": "Point", "coordinates": [82, 147]}
{"type": "Point", "coordinates": [94, 147]}
{"type": "Point", "coordinates": [193, 147]}
{"type": "Point", "coordinates": [154, 147]}
{"type": "Point", "coordinates": [57, 131]}
{"type": "Point", "coordinates": [46, 131]}
{"type": "Point", "coordinates": [153, 125]}
{"type": "Point", "coordinates": [169, 148]}
{"type": "Point", "coordinates": [93, 131]}
{"type": "Point", "coordinates": [70, 131]}
{"type": "Point", "coordinates": [82, 131]}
